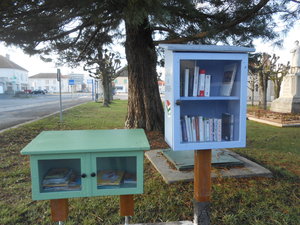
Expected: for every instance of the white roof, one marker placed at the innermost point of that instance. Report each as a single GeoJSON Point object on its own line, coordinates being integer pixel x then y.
{"type": "Point", "coordinates": [205, 48]}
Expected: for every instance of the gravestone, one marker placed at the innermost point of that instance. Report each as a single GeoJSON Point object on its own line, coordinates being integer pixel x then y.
{"type": "Point", "coordinates": [289, 97]}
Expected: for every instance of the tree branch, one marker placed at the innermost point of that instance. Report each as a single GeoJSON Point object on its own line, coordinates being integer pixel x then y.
{"type": "Point", "coordinates": [218, 29]}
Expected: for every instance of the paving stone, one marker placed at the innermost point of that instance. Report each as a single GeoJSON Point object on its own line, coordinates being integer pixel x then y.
{"type": "Point", "coordinates": [172, 175]}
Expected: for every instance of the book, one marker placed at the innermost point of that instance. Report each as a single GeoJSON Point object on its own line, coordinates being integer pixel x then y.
{"type": "Point", "coordinates": [57, 176]}
{"type": "Point", "coordinates": [191, 85]}
{"type": "Point", "coordinates": [57, 173]}
{"type": "Point", "coordinates": [228, 79]}
{"type": "Point", "coordinates": [201, 83]}
{"type": "Point", "coordinates": [227, 126]}
{"type": "Point", "coordinates": [109, 177]}
{"type": "Point", "coordinates": [196, 77]}
{"type": "Point", "coordinates": [201, 129]}
{"type": "Point", "coordinates": [186, 82]}
{"type": "Point", "coordinates": [183, 130]}
{"type": "Point", "coordinates": [188, 127]}
{"type": "Point", "coordinates": [207, 85]}
{"type": "Point", "coordinates": [129, 178]}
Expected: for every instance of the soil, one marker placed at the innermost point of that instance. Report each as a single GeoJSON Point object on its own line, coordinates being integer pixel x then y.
{"type": "Point", "coordinates": [283, 118]}
{"type": "Point", "coordinates": [156, 140]}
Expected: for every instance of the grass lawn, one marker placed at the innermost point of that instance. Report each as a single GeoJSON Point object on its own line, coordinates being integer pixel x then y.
{"type": "Point", "coordinates": [234, 201]}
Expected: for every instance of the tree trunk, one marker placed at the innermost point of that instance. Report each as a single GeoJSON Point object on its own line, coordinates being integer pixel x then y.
{"type": "Point", "coordinates": [263, 85]}
{"type": "Point", "coordinates": [144, 104]}
{"type": "Point", "coordinates": [105, 84]}
{"type": "Point", "coordinates": [252, 97]}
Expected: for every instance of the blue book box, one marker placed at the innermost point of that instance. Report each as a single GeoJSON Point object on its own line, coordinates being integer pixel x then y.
{"type": "Point", "coordinates": [205, 96]}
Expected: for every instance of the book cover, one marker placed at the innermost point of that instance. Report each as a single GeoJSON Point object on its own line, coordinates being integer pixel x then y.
{"type": "Point", "coordinates": [207, 86]}
{"type": "Point", "coordinates": [109, 177]}
{"type": "Point", "coordinates": [201, 83]}
{"type": "Point", "coordinates": [227, 126]}
{"type": "Point", "coordinates": [228, 79]}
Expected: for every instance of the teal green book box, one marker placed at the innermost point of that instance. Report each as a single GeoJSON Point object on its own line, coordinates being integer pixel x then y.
{"type": "Point", "coordinates": [84, 163]}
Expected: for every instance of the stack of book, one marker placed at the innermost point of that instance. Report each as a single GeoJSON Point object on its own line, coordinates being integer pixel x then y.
{"type": "Point", "coordinates": [195, 83]}
{"type": "Point", "coordinates": [109, 178]}
{"type": "Point", "coordinates": [61, 179]}
{"type": "Point", "coordinates": [114, 178]}
{"type": "Point", "coordinates": [200, 129]}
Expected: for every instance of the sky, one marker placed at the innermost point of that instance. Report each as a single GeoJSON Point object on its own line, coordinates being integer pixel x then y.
{"type": "Point", "coordinates": [35, 65]}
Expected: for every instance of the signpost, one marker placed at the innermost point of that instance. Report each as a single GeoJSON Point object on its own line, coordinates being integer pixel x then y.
{"type": "Point", "coordinates": [60, 100]}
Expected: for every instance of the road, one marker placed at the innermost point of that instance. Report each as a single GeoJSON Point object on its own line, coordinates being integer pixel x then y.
{"type": "Point", "coordinates": [14, 111]}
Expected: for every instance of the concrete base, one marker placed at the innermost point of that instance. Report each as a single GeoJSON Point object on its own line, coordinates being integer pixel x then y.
{"type": "Point", "coordinates": [172, 175]}
{"type": "Point", "coordinates": [286, 105]}
{"type": "Point", "coordinates": [167, 223]}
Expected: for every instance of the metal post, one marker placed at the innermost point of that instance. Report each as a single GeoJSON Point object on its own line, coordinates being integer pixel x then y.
{"type": "Point", "coordinates": [60, 100]}
{"type": "Point", "coordinates": [126, 220]}
{"type": "Point", "coordinates": [92, 89]}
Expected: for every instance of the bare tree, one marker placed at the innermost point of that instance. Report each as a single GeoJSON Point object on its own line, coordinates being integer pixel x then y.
{"type": "Point", "coordinates": [104, 67]}
{"type": "Point", "coordinates": [279, 71]}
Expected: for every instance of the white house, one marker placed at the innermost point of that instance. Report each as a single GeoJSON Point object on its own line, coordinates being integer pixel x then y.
{"type": "Point", "coordinates": [13, 77]}
{"type": "Point", "coordinates": [48, 81]}
{"type": "Point", "coordinates": [270, 93]}
{"type": "Point", "coordinates": [121, 82]}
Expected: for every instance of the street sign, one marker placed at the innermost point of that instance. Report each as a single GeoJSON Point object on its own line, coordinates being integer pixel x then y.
{"type": "Point", "coordinates": [78, 78]}
{"type": "Point", "coordinates": [71, 82]}
{"type": "Point", "coordinates": [58, 74]}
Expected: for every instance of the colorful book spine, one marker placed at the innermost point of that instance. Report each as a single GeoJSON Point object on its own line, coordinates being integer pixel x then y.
{"type": "Point", "coordinates": [201, 83]}
{"type": "Point", "coordinates": [200, 129]}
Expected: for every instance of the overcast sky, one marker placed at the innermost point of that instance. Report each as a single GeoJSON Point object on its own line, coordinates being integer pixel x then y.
{"type": "Point", "coordinates": [34, 65]}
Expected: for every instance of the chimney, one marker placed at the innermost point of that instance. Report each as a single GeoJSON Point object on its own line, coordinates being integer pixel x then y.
{"type": "Point", "coordinates": [8, 56]}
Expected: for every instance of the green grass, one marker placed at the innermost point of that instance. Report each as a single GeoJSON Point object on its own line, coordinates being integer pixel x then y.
{"type": "Point", "coordinates": [234, 201]}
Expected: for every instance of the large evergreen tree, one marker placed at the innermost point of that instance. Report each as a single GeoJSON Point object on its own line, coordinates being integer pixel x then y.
{"type": "Point", "coordinates": [40, 27]}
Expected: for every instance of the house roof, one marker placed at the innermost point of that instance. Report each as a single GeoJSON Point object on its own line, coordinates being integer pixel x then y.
{"type": "Point", "coordinates": [123, 72]}
{"type": "Point", "coordinates": [46, 76]}
{"type": "Point", "coordinates": [7, 64]}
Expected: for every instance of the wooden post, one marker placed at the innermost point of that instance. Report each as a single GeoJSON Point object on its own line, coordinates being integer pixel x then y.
{"type": "Point", "coordinates": [59, 209]}
{"type": "Point", "coordinates": [126, 205]}
{"type": "Point", "coordinates": [202, 186]}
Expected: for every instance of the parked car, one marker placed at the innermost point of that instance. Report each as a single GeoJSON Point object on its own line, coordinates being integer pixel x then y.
{"type": "Point", "coordinates": [27, 91]}
{"type": "Point", "coordinates": [38, 92]}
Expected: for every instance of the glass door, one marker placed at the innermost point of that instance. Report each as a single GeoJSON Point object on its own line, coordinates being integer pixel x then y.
{"type": "Point", "coordinates": [117, 174]}
{"type": "Point", "coordinates": [59, 177]}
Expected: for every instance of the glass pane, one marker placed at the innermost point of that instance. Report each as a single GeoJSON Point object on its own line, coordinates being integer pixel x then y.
{"type": "Point", "coordinates": [116, 172]}
{"type": "Point", "coordinates": [59, 175]}
{"type": "Point", "coordinates": [209, 121]}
